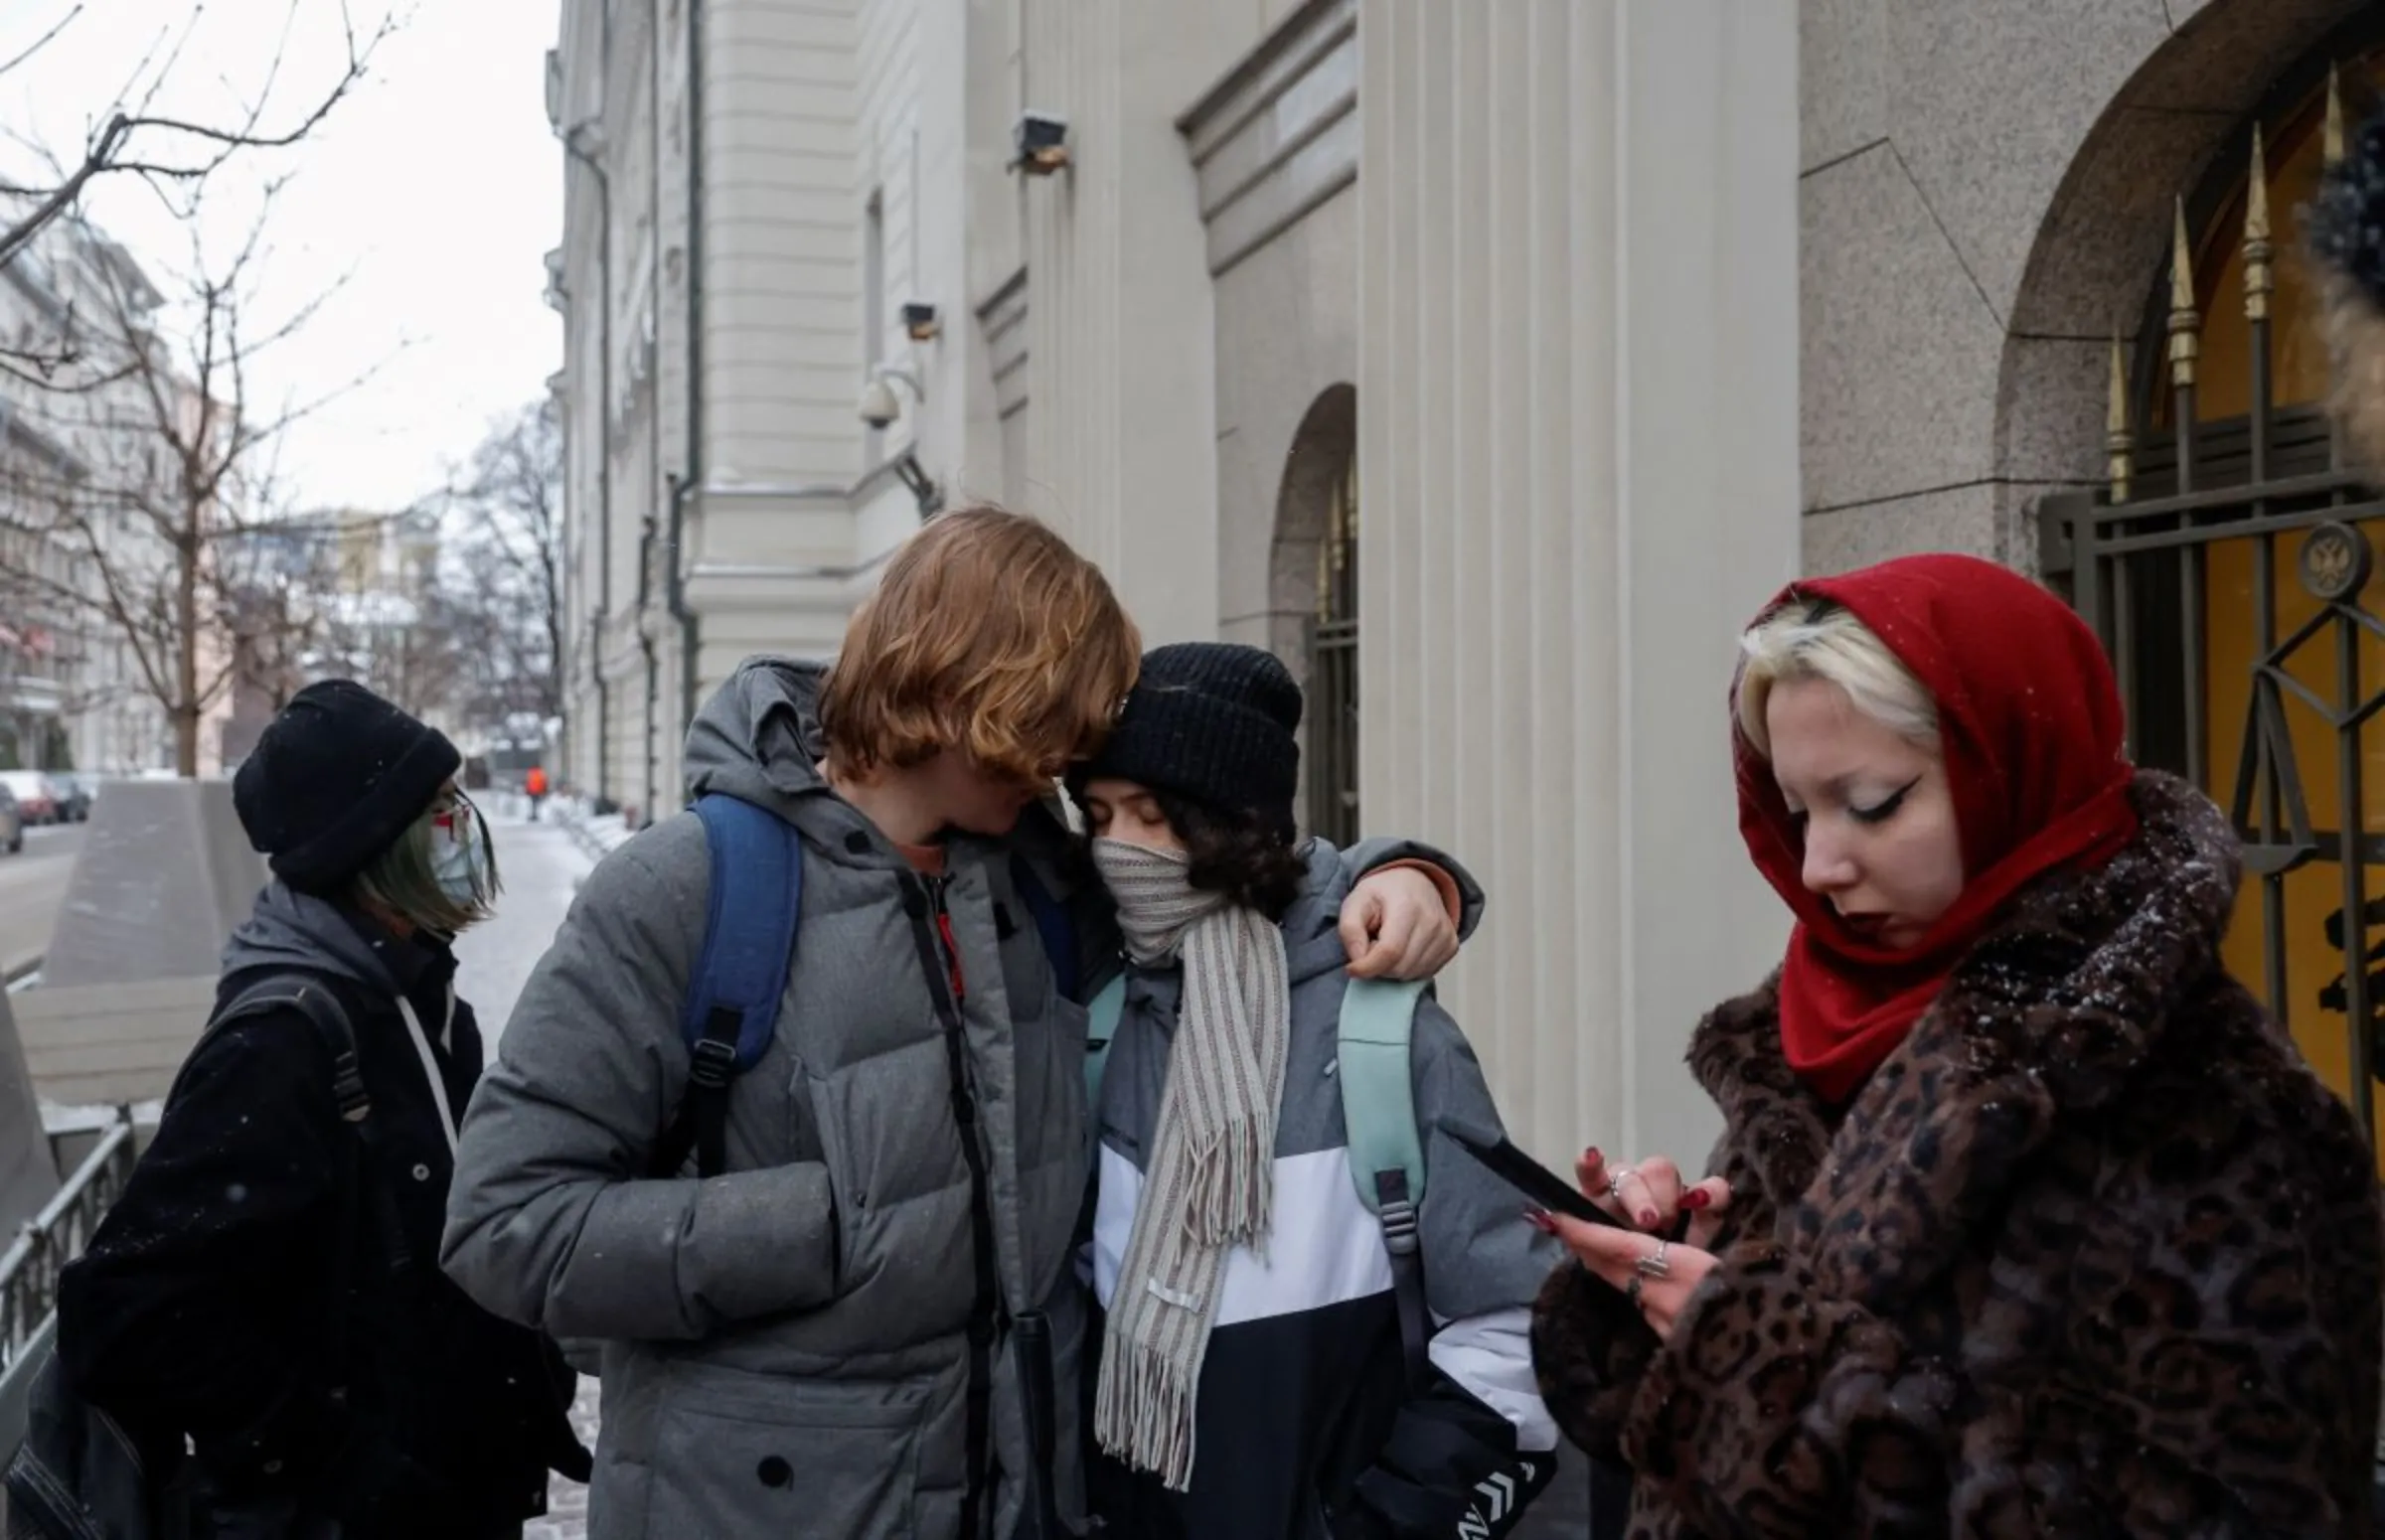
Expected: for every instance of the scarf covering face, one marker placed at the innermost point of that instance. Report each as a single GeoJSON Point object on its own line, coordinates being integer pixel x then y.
{"type": "Point", "coordinates": [2030, 725]}
{"type": "Point", "coordinates": [1211, 1173]}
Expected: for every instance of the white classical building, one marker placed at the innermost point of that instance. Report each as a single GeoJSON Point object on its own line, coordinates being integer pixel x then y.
{"type": "Point", "coordinates": [1494, 265]}
{"type": "Point", "coordinates": [79, 430]}
{"type": "Point", "coordinates": [1490, 359]}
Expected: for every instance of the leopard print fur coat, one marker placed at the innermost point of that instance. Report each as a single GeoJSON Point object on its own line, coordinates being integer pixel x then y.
{"type": "Point", "coordinates": [2094, 1254]}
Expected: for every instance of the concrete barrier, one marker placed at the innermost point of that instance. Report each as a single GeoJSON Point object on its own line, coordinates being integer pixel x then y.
{"type": "Point", "coordinates": [111, 1045]}
{"type": "Point", "coordinates": [27, 1172]}
{"type": "Point", "coordinates": [164, 875]}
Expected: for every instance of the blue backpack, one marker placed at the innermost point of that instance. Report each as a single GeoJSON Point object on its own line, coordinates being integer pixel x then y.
{"type": "Point", "coordinates": [750, 931]}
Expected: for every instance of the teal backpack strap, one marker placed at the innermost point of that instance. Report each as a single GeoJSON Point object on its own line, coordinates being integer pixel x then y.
{"type": "Point", "coordinates": [1386, 1153]}
{"type": "Point", "coordinates": [1101, 1024]}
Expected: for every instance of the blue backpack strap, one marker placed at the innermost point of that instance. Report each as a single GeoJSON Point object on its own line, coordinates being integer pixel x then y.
{"type": "Point", "coordinates": [732, 1003]}
{"type": "Point", "coordinates": [1054, 924]}
{"type": "Point", "coordinates": [1375, 1063]}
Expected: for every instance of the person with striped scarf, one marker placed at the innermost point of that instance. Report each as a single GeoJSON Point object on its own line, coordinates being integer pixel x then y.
{"type": "Point", "coordinates": [1252, 1379]}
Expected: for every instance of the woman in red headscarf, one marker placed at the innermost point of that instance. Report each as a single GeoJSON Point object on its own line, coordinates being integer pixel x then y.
{"type": "Point", "coordinates": [2025, 1220]}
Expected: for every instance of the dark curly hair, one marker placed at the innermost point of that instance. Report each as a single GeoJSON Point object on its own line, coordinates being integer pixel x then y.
{"type": "Point", "coordinates": [1251, 859]}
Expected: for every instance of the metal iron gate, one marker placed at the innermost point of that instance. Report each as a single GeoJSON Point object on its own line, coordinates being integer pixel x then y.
{"type": "Point", "coordinates": [2226, 565]}
{"type": "Point", "coordinates": [1333, 673]}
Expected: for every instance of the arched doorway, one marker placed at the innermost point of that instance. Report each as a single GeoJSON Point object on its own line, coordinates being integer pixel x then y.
{"type": "Point", "coordinates": [1313, 568]}
{"type": "Point", "coordinates": [2225, 562]}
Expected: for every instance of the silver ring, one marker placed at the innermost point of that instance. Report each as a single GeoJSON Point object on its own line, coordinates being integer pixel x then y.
{"type": "Point", "coordinates": [1653, 1265]}
{"type": "Point", "coordinates": [1615, 1183]}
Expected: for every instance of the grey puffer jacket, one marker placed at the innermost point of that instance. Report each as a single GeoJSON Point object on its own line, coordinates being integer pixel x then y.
{"type": "Point", "coordinates": [797, 1347]}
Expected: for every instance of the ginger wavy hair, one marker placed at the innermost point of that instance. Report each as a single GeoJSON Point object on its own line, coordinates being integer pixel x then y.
{"type": "Point", "coordinates": [989, 636]}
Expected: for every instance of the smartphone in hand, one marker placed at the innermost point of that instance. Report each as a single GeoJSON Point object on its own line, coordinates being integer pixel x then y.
{"type": "Point", "coordinates": [1536, 1181]}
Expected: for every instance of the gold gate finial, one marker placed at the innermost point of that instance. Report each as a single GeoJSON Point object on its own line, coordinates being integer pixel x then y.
{"type": "Point", "coordinates": [2119, 442]}
{"type": "Point", "coordinates": [2185, 323]}
{"type": "Point", "coordinates": [2260, 277]}
{"type": "Point", "coordinates": [2335, 133]}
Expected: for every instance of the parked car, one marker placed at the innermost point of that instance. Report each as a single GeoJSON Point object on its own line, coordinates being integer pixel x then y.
{"type": "Point", "coordinates": [73, 794]}
{"type": "Point", "coordinates": [37, 801]}
{"type": "Point", "coordinates": [12, 824]}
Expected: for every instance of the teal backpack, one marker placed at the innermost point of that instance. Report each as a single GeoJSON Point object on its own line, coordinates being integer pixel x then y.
{"type": "Point", "coordinates": [1378, 1109]}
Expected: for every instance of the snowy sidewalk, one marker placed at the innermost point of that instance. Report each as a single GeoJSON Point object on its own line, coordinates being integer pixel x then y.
{"type": "Point", "coordinates": [541, 865]}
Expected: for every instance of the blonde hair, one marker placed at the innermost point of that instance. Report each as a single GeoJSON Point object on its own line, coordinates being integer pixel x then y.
{"type": "Point", "coordinates": [989, 636]}
{"type": "Point", "coordinates": [1825, 641]}
{"type": "Point", "coordinates": [404, 879]}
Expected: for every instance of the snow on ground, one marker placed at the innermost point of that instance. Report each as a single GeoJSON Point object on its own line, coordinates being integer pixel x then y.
{"type": "Point", "coordinates": [541, 865]}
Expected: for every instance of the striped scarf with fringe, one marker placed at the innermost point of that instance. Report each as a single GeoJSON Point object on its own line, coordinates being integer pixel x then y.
{"type": "Point", "coordinates": [1210, 1177]}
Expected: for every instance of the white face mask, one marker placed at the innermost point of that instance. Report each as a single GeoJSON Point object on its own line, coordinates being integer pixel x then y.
{"type": "Point", "coordinates": [459, 854]}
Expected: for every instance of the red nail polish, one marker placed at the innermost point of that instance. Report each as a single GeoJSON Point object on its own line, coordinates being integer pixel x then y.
{"type": "Point", "coordinates": [1648, 1219]}
{"type": "Point", "coordinates": [1538, 1219]}
{"type": "Point", "coordinates": [1590, 1157]}
{"type": "Point", "coordinates": [1697, 1197]}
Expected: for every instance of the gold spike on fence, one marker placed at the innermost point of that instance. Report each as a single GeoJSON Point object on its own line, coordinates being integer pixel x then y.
{"type": "Point", "coordinates": [2185, 321]}
{"type": "Point", "coordinates": [2334, 139]}
{"type": "Point", "coordinates": [2260, 277]}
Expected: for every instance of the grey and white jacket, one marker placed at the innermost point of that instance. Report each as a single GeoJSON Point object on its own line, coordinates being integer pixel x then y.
{"type": "Point", "coordinates": [817, 1342]}
{"type": "Point", "coordinates": [1305, 1425]}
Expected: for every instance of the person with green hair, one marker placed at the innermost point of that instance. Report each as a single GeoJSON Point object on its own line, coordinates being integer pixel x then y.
{"type": "Point", "coordinates": [266, 1296]}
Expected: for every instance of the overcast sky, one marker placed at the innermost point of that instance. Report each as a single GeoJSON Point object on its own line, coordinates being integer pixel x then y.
{"type": "Point", "coordinates": [433, 190]}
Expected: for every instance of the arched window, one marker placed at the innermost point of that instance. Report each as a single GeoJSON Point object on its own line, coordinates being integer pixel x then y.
{"type": "Point", "coordinates": [2226, 562]}
{"type": "Point", "coordinates": [1315, 580]}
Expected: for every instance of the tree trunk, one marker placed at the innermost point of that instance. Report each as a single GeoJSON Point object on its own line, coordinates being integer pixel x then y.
{"type": "Point", "coordinates": [186, 662]}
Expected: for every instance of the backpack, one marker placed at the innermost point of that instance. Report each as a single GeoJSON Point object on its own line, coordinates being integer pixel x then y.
{"type": "Point", "coordinates": [1378, 1111]}
{"type": "Point", "coordinates": [749, 932]}
{"type": "Point", "coordinates": [79, 1475]}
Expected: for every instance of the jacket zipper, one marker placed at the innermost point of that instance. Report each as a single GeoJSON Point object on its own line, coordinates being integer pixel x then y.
{"type": "Point", "coordinates": [940, 957]}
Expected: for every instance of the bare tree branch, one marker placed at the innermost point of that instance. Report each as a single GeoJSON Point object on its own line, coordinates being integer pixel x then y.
{"type": "Point", "coordinates": [144, 521]}
{"type": "Point", "coordinates": [124, 143]}
{"type": "Point", "coordinates": [42, 42]}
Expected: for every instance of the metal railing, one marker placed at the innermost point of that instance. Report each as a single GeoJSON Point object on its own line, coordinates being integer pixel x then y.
{"type": "Point", "coordinates": [44, 1245]}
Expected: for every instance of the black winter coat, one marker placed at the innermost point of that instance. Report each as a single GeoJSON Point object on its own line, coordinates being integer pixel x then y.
{"type": "Point", "coordinates": [202, 1308]}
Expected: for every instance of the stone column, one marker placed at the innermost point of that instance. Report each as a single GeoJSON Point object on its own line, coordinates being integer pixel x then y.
{"type": "Point", "coordinates": [1578, 477]}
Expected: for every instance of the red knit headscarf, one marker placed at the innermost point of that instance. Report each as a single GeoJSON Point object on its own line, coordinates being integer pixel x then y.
{"type": "Point", "coordinates": [2029, 722]}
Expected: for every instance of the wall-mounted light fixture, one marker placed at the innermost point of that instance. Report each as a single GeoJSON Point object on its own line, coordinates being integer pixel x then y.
{"type": "Point", "coordinates": [1042, 140]}
{"type": "Point", "coordinates": [919, 321]}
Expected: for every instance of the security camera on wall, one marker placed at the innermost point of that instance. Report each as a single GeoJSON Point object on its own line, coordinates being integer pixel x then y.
{"type": "Point", "coordinates": [879, 405]}
{"type": "Point", "coordinates": [879, 408]}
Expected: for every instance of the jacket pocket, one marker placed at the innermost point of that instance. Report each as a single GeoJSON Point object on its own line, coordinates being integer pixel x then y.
{"type": "Point", "coordinates": [901, 1192]}
{"type": "Point", "coordinates": [739, 1454]}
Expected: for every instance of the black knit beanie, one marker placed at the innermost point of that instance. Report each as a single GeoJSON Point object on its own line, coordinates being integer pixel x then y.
{"type": "Point", "coordinates": [334, 780]}
{"type": "Point", "coordinates": [1213, 722]}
